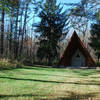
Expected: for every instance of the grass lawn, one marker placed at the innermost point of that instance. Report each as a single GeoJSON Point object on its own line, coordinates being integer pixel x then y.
{"type": "Point", "coordinates": [36, 83]}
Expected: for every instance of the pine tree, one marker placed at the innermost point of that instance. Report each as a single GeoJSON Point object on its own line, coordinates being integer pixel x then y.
{"type": "Point", "coordinates": [51, 27]}
{"type": "Point", "coordinates": [4, 8]}
{"type": "Point", "coordinates": [95, 37]}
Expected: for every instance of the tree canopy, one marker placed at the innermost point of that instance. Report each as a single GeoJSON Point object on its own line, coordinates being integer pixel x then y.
{"type": "Point", "coordinates": [95, 36]}
{"type": "Point", "coordinates": [53, 22]}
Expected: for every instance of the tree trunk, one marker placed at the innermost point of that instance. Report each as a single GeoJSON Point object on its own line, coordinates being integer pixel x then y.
{"type": "Point", "coordinates": [10, 39]}
{"type": "Point", "coordinates": [2, 30]}
{"type": "Point", "coordinates": [16, 36]}
{"type": "Point", "coordinates": [24, 26]}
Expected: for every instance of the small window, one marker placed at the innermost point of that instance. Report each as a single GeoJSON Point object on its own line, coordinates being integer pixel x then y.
{"type": "Point", "coordinates": [78, 56]}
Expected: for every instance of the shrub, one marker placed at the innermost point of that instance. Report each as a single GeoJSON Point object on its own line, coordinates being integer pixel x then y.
{"type": "Point", "coordinates": [28, 61]}
{"type": "Point", "coordinates": [9, 64]}
{"type": "Point", "coordinates": [98, 64]}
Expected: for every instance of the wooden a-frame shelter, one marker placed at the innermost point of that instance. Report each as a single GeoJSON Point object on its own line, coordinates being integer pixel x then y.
{"type": "Point", "coordinates": [76, 54]}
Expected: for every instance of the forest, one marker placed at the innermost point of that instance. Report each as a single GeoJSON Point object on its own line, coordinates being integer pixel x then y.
{"type": "Point", "coordinates": [36, 32]}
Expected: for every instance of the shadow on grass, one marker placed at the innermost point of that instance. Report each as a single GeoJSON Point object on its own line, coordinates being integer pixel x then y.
{"type": "Point", "coordinates": [49, 75]}
{"type": "Point", "coordinates": [71, 96]}
{"type": "Point", "coordinates": [81, 72]}
{"type": "Point", "coordinates": [86, 72]}
{"type": "Point", "coordinates": [19, 95]}
{"type": "Point", "coordinates": [29, 67]}
{"type": "Point", "coordinates": [49, 68]}
{"type": "Point", "coordinates": [42, 74]}
{"type": "Point", "coordinates": [48, 81]}
{"type": "Point", "coordinates": [75, 96]}
{"type": "Point", "coordinates": [95, 77]}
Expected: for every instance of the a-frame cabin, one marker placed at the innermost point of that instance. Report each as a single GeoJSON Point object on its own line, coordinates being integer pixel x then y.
{"type": "Point", "coordinates": [76, 54]}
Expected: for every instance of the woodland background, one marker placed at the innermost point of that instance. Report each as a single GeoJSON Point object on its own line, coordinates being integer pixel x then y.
{"type": "Point", "coordinates": [22, 29]}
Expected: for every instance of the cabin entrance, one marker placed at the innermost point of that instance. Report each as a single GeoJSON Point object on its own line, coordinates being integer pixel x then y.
{"type": "Point", "coordinates": [78, 59]}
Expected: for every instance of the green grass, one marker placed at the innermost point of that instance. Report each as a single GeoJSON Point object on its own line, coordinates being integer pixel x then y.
{"type": "Point", "coordinates": [36, 83]}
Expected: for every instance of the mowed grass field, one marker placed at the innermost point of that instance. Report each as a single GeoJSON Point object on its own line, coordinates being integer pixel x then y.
{"type": "Point", "coordinates": [36, 83]}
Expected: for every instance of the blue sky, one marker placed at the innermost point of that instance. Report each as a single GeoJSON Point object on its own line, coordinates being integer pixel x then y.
{"type": "Point", "coordinates": [36, 19]}
{"type": "Point", "coordinates": [67, 1]}
{"type": "Point", "coordinates": [62, 2]}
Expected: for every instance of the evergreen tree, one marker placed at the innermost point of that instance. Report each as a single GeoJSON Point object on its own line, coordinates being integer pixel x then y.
{"type": "Point", "coordinates": [3, 9]}
{"type": "Point", "coordinates": [95, 37]}
{"type": "Point", "coordinates": [51, 27]}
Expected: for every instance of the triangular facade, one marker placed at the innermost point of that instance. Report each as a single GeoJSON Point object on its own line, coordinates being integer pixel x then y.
{"type": "Point", "coordinates": [76, 54]}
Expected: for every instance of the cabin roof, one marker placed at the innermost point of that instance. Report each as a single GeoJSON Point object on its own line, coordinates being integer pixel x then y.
{"type": "Point", "coordinates": [74, 44]}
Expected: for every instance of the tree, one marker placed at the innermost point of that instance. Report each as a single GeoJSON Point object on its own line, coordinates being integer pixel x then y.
{"type": "Point", "coordinates": [51, 27]}
{"type": "Point", "coordinates": [81, 14]}
{"type": "Point", "coordinates": [3, 9]}
{"type": "Point", "coordinates": [15, 28]}
{"type": "Point", "coordinates": [24, 26]}
{"type": "Point", "coordinates": [2, 27]}
{"type": "Point", "coordinates": [95, 36]}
